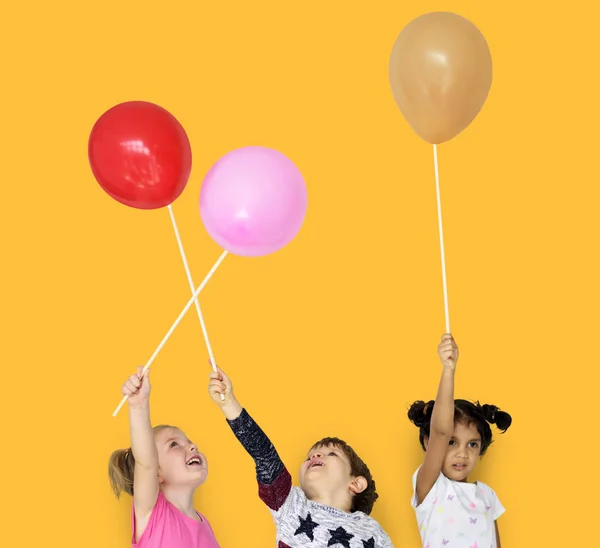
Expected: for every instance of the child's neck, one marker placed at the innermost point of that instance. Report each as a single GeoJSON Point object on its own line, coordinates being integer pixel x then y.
{"type": "Point", "coordinates": [182, 499]}
{"type": "Point", "coordinates": [466, 480]}
{"type": "Point", "coordinates": [335, 500]}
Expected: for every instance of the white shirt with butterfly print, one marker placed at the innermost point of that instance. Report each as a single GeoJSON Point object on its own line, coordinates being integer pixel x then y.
{"type": "Point", "coordinates": [457, 515]}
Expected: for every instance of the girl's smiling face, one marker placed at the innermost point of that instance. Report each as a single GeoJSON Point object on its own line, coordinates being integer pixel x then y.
{"type": "Point", "coordinates": [180, 463]}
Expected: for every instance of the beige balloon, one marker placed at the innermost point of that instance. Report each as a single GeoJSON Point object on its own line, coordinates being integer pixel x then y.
{"type": "Point", "coordinates": [441, 74]}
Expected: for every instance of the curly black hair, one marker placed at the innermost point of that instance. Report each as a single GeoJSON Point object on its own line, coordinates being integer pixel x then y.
{"type": "Point", "coordinates": [465, 412]}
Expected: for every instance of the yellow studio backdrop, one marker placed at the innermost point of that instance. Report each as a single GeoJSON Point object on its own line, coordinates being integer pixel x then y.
{"type": "Point", "coordinates": [337, 333]}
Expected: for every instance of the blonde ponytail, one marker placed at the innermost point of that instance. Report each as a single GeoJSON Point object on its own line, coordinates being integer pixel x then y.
{"type": "Point", "coordinates": [120, 471]}
{"type": "Point", "coordinates": [121, 466]}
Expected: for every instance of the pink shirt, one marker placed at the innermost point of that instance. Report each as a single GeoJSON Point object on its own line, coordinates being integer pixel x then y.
{"type": "Point", "coordinates": [170, 528]}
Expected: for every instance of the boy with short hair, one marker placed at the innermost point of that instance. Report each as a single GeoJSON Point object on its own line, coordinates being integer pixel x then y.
{"type": "Point", "coordinates": [336, 495]}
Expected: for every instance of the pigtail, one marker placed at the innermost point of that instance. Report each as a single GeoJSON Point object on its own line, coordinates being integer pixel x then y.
{"type": "Point", "coordinates": [419, 413]}
{"type": "Point", "coordinates": [120, 471]}
{"type": "Point", "coordinates": [494, 415]}
{"type": "Point", "coordinates": [121, 466]}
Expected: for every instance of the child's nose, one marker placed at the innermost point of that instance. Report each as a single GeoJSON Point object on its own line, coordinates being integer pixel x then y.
{"type": "Point", "coordinates": [461, 452]}
{"type": "Point", "coordinates": [316, 456]}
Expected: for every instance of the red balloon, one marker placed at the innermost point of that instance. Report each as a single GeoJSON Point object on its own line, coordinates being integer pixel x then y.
{"type": "Point", "coordinates": [140, 155]}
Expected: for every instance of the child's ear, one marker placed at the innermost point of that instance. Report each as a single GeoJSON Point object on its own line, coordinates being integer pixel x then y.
{"type": "Point", "coordinates": [358, 485]}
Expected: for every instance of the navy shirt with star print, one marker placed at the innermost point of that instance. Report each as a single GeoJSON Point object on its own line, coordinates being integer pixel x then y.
{"type": "Point", "coordinates": [301, 522]}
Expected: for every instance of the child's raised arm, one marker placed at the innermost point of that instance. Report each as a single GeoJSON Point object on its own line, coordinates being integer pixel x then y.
{"type": "Point", "coordinates": [442, 420]}
{"type": "Point", "coordinates": [143, 447]}
{"type": "Point", "coordinates": [275, 482]}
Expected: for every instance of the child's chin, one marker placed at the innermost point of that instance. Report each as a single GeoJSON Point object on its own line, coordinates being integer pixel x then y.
{"type": "Point", "coordinates": [200, 480]}
{"type": "Point", "coordinates": [309, 486]}
{"type": "Point", "coordinates": [201, 473]}
{"type": "Point", "coordinates": [456, 475]}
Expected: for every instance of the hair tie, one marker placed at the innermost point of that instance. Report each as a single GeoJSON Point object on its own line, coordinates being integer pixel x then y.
{"type": "Point", "coordinates": [425, 409]}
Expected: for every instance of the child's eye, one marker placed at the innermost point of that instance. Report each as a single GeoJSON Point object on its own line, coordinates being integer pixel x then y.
{"type": "Point", "coordinates": [474, 444]}
{"type": "Point", "coordinates": [333, 454]}
{"type": "Point", "coordinates": [451, 442]}
{"type": "Point", "coordinates": [173, 443]}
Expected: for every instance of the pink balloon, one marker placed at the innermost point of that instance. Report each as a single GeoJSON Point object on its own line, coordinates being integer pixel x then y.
{"type": "Point", "coordinates": [253, 201]}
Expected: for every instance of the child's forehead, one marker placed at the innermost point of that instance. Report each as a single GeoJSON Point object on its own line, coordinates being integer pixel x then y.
{"type": "Point", "coordinates": [329, 445]}
{"type": "Point", "coordinates": [171, 433]}
{"type": "Point", "coordinates": [466, 429]}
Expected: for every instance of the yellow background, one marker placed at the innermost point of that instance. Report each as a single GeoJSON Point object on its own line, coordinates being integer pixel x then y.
{"type": "Point", "coordinates": [337, 333]}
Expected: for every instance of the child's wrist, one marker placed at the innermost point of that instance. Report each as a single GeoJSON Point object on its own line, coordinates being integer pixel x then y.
{"type": "Point", "coordinates": [140, 407]}
{"type": "Point", "coordinates": [232, 409]}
